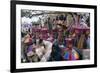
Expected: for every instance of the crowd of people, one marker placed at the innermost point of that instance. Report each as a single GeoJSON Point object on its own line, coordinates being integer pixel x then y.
{"type": "Point", "coordinates": [58, 40]}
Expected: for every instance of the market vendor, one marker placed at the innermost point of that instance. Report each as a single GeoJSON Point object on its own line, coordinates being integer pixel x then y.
{"type": "Point", "coordinates": [71, 52]}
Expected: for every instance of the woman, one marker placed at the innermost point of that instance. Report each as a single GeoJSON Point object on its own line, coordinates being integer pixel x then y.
{"type": "Point", "coordinates": [26, 42]}
{"type": "Point", "coordinates": [71, 53]}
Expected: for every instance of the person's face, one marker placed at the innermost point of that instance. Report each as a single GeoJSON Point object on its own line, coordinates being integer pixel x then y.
{"type": "Point", "coordinates": [87, 32]}
{"type": "Point", "coordinates": [70, 46]}
{"type": "Point", "coordinates": [40, 36]}
{"type": "Point", "coordinates": [76, 31]}
{"type": "Point", "coordinates": [37, 35]}
{"type": "Point", "coordinates": [60, 37]}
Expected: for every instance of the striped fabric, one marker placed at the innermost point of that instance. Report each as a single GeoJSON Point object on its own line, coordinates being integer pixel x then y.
{"type": "Point", "coordinates": [73, 55]}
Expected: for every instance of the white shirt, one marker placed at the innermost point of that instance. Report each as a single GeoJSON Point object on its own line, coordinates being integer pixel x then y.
{"type": "Point", "coordinates": [48, 51]}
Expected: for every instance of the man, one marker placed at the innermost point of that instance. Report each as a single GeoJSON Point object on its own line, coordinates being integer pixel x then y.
{"type": "Point", "coordinates": [56, 54]}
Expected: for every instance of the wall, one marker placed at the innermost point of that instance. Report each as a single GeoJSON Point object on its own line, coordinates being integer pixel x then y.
{"type": "Point", "coordinates": [5, 36]}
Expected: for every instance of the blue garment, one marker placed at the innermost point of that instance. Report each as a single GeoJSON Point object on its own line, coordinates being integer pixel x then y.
{"type": "Point", "coordinates": [66, 56]}
{"type": "Point", "coordinates": [30, 48]}
{"type": "Point", "coordinates": [56, 52]}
